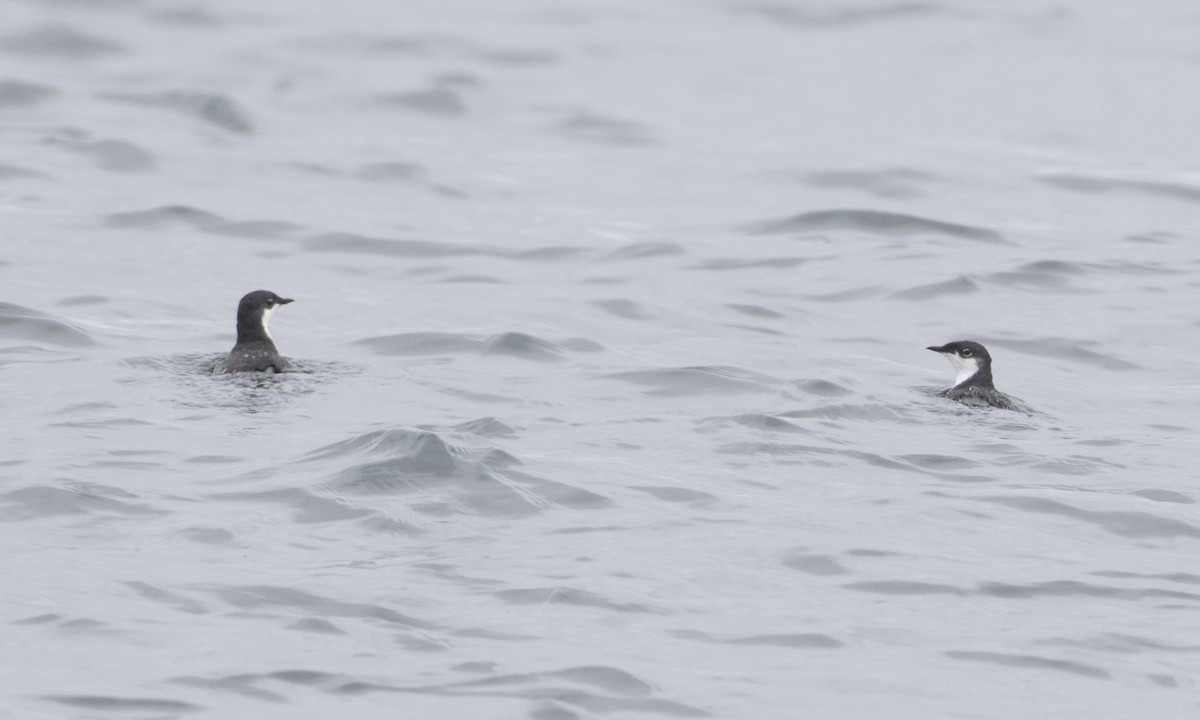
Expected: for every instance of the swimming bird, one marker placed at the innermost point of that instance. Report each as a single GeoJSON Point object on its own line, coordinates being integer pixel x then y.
{"type": "Point", "coordinates": [255, 350]}
{"type": "Point", "coordinates": [973, 382]}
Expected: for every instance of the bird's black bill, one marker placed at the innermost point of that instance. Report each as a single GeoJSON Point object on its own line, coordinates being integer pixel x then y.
{"type": "Point", "coordinates": [935, 348]}
{"type": "Point", "coordinates": [285, 301]}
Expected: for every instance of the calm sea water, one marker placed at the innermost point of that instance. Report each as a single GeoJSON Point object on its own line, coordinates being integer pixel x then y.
{"type": "Point", "coordinates": [611, 394]}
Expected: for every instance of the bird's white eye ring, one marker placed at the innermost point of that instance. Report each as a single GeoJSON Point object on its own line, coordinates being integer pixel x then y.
{"type": "Point", "coordinates": [966, 352]}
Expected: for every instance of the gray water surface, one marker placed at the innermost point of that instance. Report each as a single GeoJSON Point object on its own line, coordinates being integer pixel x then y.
{"type": "Point", "coordinates": [611, 393]}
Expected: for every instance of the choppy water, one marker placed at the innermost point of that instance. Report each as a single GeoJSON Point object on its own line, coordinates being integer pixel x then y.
{"type": "Point", "coordinates": [611, 394]}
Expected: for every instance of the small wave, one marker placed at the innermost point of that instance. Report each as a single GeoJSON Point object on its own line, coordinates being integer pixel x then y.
{"type": "Point", "coordinates": [738, 263]}
{"type": "Point", "coordinates": [111, 703]}
{"type": "Point", "coordinates": [159, 217]}
{"type": "Point", "coordinates": [354, 243]}
{"type": "Point", "coordinates": [1068, 349]}
{"type": "Point", "coordinates": [391, 172]}
{"type": "Point", "coordinates": [1073, 588]}
{"type": "Point", "coordinates": [1094, 184]}
{"type": "Point", "coordinates": [28, 324]}
{"type": "Point", "coordinates": [814, 563]}
{"type": "Point", "coordinates": [641, 250]}
{"type": "Point", "coordinates": [213, 109]}
{"type": "Point", "coordinates": [112, 155]}
{"type": "Point", "coordinates": [756, 311]}
{"type": "Point", "coordinates": [1053, 267]}
{"type": "Point", "coordinates": [1029, 661]}
{"type": "Point", "coordinates": [1166, 496]}
{"type": "Point", "coordinates": [360, 44]}
{"type": "Point", "coordinates": [203, 220]}
{"type": "Point", "coordinates": [271, 597]}
{"type": "Point", "coordinates": [843, 15]}
{"type": "Point", "coordinates": [821, 456]}
{"type": "Point", "coordinates": [606, 130]}
{"type": "Point", "coordinates": [85, 499]}
{"type": "Point", "coordinates": [893, 183]}
{"type": "Point", "coordinates": [8, 172]}
{"type": "Point", "coordinates": [170, 598]}
{"type": "Point", "coordinates": [766, 423]}
{"type": "Point", "coordinates": [598, 690]}
{"type": "Point", "coordinates": [876, 222]}
{"type": "Point", "coordinates": [59, 41]}
{"type": "Point", "coordinates": [521, 345]}
{"type": "Point", "coordinates": [904, 587]}
{"type": "Point", "coordinates": [961, 285]}
{"type": "Point", "coordinates": [1179, 577]}
{"type": "Point", "coordinates": [685, 496]}
{"type": "Point", "coordinates": [557, 694]}
{"type": "Point", "coordinates": [77, 300]}
{"type": "Point", "coordinates": [821, 388]}
{"type": "Point", "coordinates": [521, 57]}
{"type": "Point", "coordinates": [939, 463]}
{"type": "Point", "coordinates": [184, 17]}
{"type": "Point", "coordinates": [624, 309]}
{"type": "Point", "coordinates": [848, 411]}
{"type": "Point", "coordinates": [1128, 523]}
{"type": "Point", "coordinates": [486, 427]}
{"type": "Point", "coordinates": [787, 640]}
{"type": "Point", "coordinates": [310, 507]}
{"type": "Point", "coordinates": [441, 479]}
{"type": "Point", "coordinates": [697, 380]}
{"type": "Point", "coordinates": [548, 252]}
{"type": "Point", "coordinates": [422, 343]}
{"type": "Point", "coordinates": [14, 93]}
{"type": "Point", "coordinates": [860, 293]}
{"type": "Point", "coordinates": [559, 595]}
{"type": "Point", "coordinates": [1044, 275]}
{"type": "Point", "coordinates": [439, 101]}
{"type": "Point", "coordinates": [510, 344]}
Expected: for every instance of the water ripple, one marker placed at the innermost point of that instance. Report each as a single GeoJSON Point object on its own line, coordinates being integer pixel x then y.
{"type": "Point", "coordinates": [1127, 523]}
{"type": "Point", "coordinates": [28, 324]}
{"type": "Point", "coordinates": [591, 128]}
{"type": "Point", "coordinates": [355, 243]}
{"type": "Point", "coordinates": [712, 380]}
{"type": "Point", "coordinates": [213, 109]}
{"type": "Point", "coordinates": [113, 155]}
{"type": "Point", "coordinates": [510, 344]}
{"type": "Point", "coordinates": [1029, 661]}
{"type": "Point", "coordinates": [842, 15]}
{"type": "Point", "coordinates": [59, 41]}
{"type": "Point", "coordinates": [876, 222]}
{"type": "Point", "coordinates": [440, 479]}
{"type": "Point", "coordinates": [1068, 349]}
{"type": "Point", "coordinates": [569, 596]}
{"type": "Point", "coordinates": [961, 285]}
{"type": "Point", "coordinates": [83, 499]}
{"type": "Point", "coordinates": [15, 93]}
{"type": "Point", "coordinates": [139, 705]}
{"type": "Point", "coordinates": [893, 183]}
{"type": "Point", "coordinates": [1094, 184]}
{"type": "Point", "coordinates": [168, 215]}
{"type": "Point", "coordinates": [594, 689]}
{"type": "Point", "coordinates": [439, 101]}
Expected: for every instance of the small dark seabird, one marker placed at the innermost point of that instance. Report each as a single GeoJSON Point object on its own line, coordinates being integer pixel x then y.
{"type": "Point", "coordinates": [973, 383]}
{"type": "Point", "coordinates": [254, 351]}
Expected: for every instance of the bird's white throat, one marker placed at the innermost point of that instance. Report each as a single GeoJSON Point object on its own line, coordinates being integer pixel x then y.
{"type": "Point", "coordinates": [964, 368]}
{"type": "Point", "coordinates": [266, 317]}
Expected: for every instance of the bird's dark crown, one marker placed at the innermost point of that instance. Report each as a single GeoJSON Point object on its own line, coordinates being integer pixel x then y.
{"type": "Point", "coordinates": [964, 349]}
{"type": "Point", "coordinates": [250, 315]}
